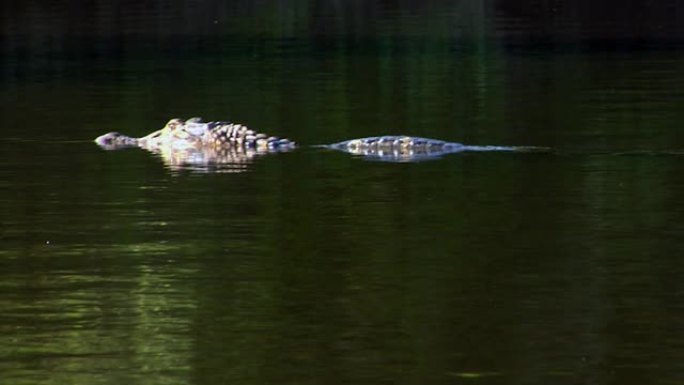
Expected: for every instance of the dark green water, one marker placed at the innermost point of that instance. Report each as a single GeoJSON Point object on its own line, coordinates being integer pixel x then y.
{"type": "Point", "coordinates": [314, 267]}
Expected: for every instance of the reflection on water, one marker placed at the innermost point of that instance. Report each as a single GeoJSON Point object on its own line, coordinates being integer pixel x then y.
{"type": "Point", "coordinates": [70, 318]}
{"type": "Point", "coordinates": [313, 266]}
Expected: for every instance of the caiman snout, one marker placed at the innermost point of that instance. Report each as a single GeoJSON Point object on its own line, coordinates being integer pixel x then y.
{"type": "Point", "coordinates": [115, 141]}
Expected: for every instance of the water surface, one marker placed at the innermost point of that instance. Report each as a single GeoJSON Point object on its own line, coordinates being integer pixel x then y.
{"type": "Point", "coordinates": [317, 267]}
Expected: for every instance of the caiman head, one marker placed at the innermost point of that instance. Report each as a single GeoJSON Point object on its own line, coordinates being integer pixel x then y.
{"type": "Point", "coordinates": [176, 134]}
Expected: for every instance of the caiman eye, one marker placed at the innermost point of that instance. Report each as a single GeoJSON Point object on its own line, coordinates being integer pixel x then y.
{"type": "Point", "coordinates": [173, 124]}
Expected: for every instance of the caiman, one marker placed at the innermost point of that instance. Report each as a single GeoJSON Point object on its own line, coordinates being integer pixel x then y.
{"type": "Point", "coordinates": [194, 143]}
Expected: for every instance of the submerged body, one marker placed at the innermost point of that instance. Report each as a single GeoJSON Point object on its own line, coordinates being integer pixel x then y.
{"type": "Point", "coordinates": [193, 142]}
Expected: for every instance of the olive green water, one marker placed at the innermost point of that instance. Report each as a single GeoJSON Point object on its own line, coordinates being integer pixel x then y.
{"type": "Point", "coordinates": [314, 267]}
